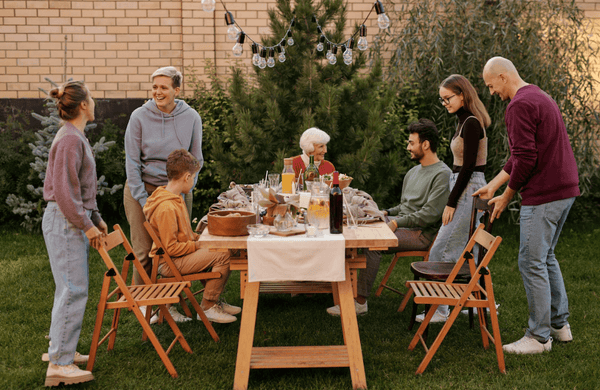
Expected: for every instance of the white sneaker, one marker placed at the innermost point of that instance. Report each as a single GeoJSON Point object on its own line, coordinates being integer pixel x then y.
{"type": "Point", "coordinates": [177, 316]}
{"type": "Point", "coordinates": [466, 311]}
{"type": "Point", "coordinates": [360, 309]}
{"type": "Point", "coordinates": [154, 318]}
{"type": "Point", "coordinates": [69, 374]}
{"type": "Point", "coordinates": [229, 309]}
{"type": "Point", "coordinates": [528, 345]}
{"type": "Point", "coordinates": [437, 318]}
{"type": "Point", "coordinates": [563, 334]}
{"type": "Point", "coordinates": [217, 314]}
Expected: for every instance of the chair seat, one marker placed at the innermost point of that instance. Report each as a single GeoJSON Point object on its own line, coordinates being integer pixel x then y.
{"type": "Point", "coordinates": [438, 270]}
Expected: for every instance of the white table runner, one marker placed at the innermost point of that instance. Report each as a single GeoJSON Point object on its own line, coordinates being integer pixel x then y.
{"type": "Point", "coordinates": [297, 258]}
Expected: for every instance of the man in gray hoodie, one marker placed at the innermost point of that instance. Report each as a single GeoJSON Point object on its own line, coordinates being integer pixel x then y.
{"type": "Point", "coordinates": [160, 126]}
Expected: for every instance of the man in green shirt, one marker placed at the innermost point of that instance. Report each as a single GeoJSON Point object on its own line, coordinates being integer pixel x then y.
{"type": "Point", "coordinates": [417, 218]}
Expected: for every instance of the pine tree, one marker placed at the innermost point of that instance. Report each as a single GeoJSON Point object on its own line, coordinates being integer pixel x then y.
{"type": "Point", "coordinates": [271, 110]}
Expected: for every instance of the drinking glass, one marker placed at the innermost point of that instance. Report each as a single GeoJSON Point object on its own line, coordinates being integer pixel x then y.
{"type": "Point", "coordinates": [274, 180]}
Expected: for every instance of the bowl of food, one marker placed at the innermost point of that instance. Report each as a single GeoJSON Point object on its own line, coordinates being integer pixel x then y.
{"type": "Point", "coordinates": [258, 230]}
{"type": "Point", "coordinates": [230, 222]}
{"type": "Point", "coordinates": [345, 180]}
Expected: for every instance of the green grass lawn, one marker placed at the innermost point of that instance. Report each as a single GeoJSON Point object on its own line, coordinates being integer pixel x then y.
{"type": "Point", "coordinates": [27, 291]}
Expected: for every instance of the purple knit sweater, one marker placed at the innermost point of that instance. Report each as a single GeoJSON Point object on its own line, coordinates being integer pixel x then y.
{"type": "Point", "coordinates": [71, 177]}
{"type": "Point", "coordinates": [542, 164]}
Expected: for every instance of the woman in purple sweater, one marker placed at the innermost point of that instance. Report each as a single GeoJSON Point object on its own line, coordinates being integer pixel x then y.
{"type": "Point", "coordinates": [70, 225]}
{"type": "Point", "coordinates": [469, 149]}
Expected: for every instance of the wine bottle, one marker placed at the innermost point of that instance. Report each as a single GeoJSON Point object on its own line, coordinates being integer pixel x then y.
{"type": "Point", "coordinates": [311, 173]}
{"type": "Point", "coordinates": [336, 207]}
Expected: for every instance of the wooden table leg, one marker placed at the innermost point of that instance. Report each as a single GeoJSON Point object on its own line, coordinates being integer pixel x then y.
{"type": "Point", "coordinates": [350, 329]}
{"type": "Point", "coordinates": [242, 364]}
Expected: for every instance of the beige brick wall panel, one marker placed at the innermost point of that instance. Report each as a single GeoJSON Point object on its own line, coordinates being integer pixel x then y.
{"type": "Point", "coordinates": [258, 6]}
{"type": "Point", "coordinates": [35, 4]}
{"type": "Point", "coordinates": [129, 70]}
{"type": "Point", "coordinates": [38, 37]}
{"type": "Point", "coordinates": [170, 4]}
{"type": "Point", "coordinates": [105, 5]}
{"type": "Point", "coordinates": [95, 30]}
{"type": "Point", "coordinates": [106, 86]}
{"type": "Point", "coordinates": [106, 54]}
{"type": "Point", "coordinates": [82, 5]}
{"type": "Point", "coordinates": [75, 30]}
{"type": "Point", "coordinates": [70, 13]}
{"type": "Point", "coordinates": [129, 86]}
{"type": "Point", "coordinates": [12, 46]}
{"type": "Point", "coordinates": [117, 62]}
{"type": "Point", "coordinates": [14, 70]}
{"type": "Point", "coordinates": [138, 78]}
{"type": "Point", "coordinates": [136, 95]}
{"type": "Point", "coordinates": [118, 46]}
{"type": "Point", "coordinates": [105, 21]}
{"type": "Point", "coordinates": [105, 38]}
{"type": "Point", "coordinates": [139, 30]}
{"type": "Point", "coordinates": [55, 4]}
{"type": "Point", "coordinates": [8, 30]}
{"type": "Point", "coordinates": [175, 13]}
{"type": "Point", "coordinates": [150, 4]}
{"type": "Point", "coordinates": [28, 94]}
{"type": "Point", "coordinates": [39, 54]}
{"type": "Point", "coordinates": [51, 62]}
{"type": "Point", "coordinates": [158, 13]}
{"type": "Point", "coordinates": [149, 54]}
{"type": "Point", "coordinates": [128, 4]}
{"type": "Point", "coordinates": [18, 12]}
{"type": "Point", "coordinates": [138, 46]}
{"type": "Point", "coordinates": [82, 22]}
{"type": "Point", "coordinates": [28, 29]}
{"type": "Point", "coordinates": [160, 30]}
{"type": "Point", "coordinates": [117, 30]}
{"type": "Point", "coordinates": [108, 70]}
{"type": "Point", "coordinates": [29, 78]}
{"type": "Point", "coordinates": [160, 62]}
{"type": "Point", "coordinates": [8, 94]}
{"type": "Point", "coordinates": [6, 79]}
{"type": "Point", "coordinates": [51, 13]}
{"type": "Point", "coordinates": [592, 14]}
{"type": "Point", "coordinates": [110, 13]}
{"type": "Point", "coordinates": [13, 21]}
{"type": "Point", "coordinates": [128, 38]}
{"type": "Point", "coordinates": [13, 4]}
{"type": "Point", "coordinates": [127, 22]}
{"type": "Point", "coordinates": [83, 38]}
{"type": "Point", "coordinates": [51, 29]}
{"type": "Point", "coordinates": [138, 61]}
{"type": "Point", "coordinates": [176, 29]}
{"type": "Point", "coordinates": [44, 70]}
{"type": "Point", "coordinates": [128, 54]}
{"type": "Point", "coordinates": [136, 13]}
{"type": "Point", "coordinates": [15, 37]}
{"type": "Point", "coordinates": [94, 13]}
{"type": "Point", "coordinates": [95, 78]}
{"type": "Point", "coordinates": [59, 21]}
{"type": "Point", "coordinates": [148, 22]}
{"type": "Point", "coordinates": [152, 38]}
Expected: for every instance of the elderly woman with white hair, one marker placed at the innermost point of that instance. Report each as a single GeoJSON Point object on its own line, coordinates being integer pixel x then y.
{"type": "Point", "coordinates": [313, 143]}
{"type": "Point", "coordinates": [155, 129]}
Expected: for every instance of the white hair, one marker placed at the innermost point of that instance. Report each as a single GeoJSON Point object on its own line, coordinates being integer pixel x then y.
{"type": "Point", "coordinates": [313, 136]}
{"type": "Point", "coordinates": [170, 72]}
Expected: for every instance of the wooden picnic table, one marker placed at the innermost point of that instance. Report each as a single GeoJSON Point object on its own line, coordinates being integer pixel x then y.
{"type": "Point", "coordinates": [376, 236]}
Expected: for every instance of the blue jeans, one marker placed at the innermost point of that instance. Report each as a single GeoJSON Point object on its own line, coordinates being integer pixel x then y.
{"type": "Point", "coordinates": [453, 237]}
{"type": "Point", "coordinates": [546, 295]}
{"type": "Point", "coordinates": [68, 250]}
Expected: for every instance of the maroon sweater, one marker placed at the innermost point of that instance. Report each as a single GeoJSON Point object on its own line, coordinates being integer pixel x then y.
{"type": "Point", "coordinates": [542, 165]}
{"type": "Point", "coordinates": [71, 177]}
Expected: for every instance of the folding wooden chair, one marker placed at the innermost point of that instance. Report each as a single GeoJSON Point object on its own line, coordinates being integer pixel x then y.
{"type": "Point", "coordinates": [132, 298]}
{"type": "Point", "coordinates": [460, 296]}
{"type": "Point", "coordinates": [177, 277]}
{"type": "Point", "coordinates": [440, 270]}
{"type": "Point", "coordinates": [423, 254]}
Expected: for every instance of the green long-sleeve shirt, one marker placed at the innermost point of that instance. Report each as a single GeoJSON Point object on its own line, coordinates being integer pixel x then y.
{"type": "Point", "coordinates": [424, 195]}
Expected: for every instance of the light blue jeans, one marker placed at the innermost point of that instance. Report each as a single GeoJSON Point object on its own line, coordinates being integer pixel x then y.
{"type": "Point", "coordinates": [452, 238]}
{"type": "Point", "coordinates": [546, 295]}
{"type": "Point", "coordinates": [68, 250]}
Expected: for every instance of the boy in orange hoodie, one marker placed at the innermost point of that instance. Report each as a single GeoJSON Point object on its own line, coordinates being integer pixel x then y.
{"type": "Point", "coordinates": [165, 210]}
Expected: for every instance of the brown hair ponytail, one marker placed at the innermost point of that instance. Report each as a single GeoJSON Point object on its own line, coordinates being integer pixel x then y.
{"type": "Point", "coordinates": [69, 97]}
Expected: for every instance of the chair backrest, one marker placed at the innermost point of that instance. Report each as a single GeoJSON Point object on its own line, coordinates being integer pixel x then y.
{"type": "Point", "coordinates": [161, 253]}
{"type": "Point", "coordinates": [113, 240]}
{"type": "Point", "coordinates": [485, 240]}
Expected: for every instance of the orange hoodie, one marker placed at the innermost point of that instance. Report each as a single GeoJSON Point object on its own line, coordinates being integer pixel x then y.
{"type": "Point", "coordinates": [169, 217]}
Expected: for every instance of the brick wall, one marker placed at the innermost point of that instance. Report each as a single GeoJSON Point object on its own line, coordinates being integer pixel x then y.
{"type": "Point", "coordinates": [115, 45]}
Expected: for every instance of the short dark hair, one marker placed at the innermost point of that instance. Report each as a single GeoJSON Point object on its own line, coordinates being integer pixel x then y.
{"type": "Point", "coordinates": [427, 131]}
{"type": "Point", "coordinates": [180, 162]}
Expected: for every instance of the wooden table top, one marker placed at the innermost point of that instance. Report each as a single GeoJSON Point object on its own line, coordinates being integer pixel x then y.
{"type": "Point", "coordinates": [373, 236]}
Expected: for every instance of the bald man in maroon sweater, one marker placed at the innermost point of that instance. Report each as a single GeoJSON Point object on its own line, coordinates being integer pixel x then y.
{"type": "Point", "coordinates": [542, 167]}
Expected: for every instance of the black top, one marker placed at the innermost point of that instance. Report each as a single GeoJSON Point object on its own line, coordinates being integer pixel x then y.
{"type": "Point", "coordinates": [472, 132]}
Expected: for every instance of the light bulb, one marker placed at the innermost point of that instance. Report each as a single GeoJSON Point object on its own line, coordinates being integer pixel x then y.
{"type": "Point", "coordinates": [282, 57]}
{"type": "Point", "coordinates": [328, 54]}
{"type": "Point", "coordinates": [238, 49]}
{"type": "Point", "coordinates": [255, 59]}
{"type": "Point", "coordinates": [271, 62]}
{"type": "Point", "coordinates": [362, 43]}
{"type": "Point", "coordinates": [262, 63]}
{"type": "Point", "coordinates": [208, 5]}
{"type": "Point", "coordinates": [290, 41]}
{"type": "Point", "coordinates": [320, 46]}
{"type": "Point", "coordinates": [233, 32]}
{"type": "Point", "coordinates": [383, 21]}
{"type": "Point", "coordinates": [332, 60]}
{"type": "Point", "coordinates": [348, 56]}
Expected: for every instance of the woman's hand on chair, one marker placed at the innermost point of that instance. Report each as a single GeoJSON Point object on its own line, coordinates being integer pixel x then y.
{"type": "Point", "coordinates": [448, 215]}
{"type": "Point", "coordinates": [94, 235]}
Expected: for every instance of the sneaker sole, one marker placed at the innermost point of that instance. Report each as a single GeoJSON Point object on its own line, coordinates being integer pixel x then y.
{"type": "Point", "coordinates": [57, 380]}
{"type": "Point", "coordinates": [221, 321]}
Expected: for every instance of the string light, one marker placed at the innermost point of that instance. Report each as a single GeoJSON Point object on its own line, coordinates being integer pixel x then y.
{"type": "Point", "coordinates": [260, 52]}
{"type": "Point", "coordinates": [382, 19]}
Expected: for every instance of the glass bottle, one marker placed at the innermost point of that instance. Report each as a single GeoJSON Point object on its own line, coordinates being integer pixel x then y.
{"type": "Point", "coordinates": [336, 206]}
{"type": "Point", "coordinates": [287, 176]}
{"type": "Point", "coordinates": [311, 173]}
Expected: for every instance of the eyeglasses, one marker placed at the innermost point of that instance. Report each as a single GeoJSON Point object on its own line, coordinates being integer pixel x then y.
{"type": "Point", "coordinates": [445, 101]}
